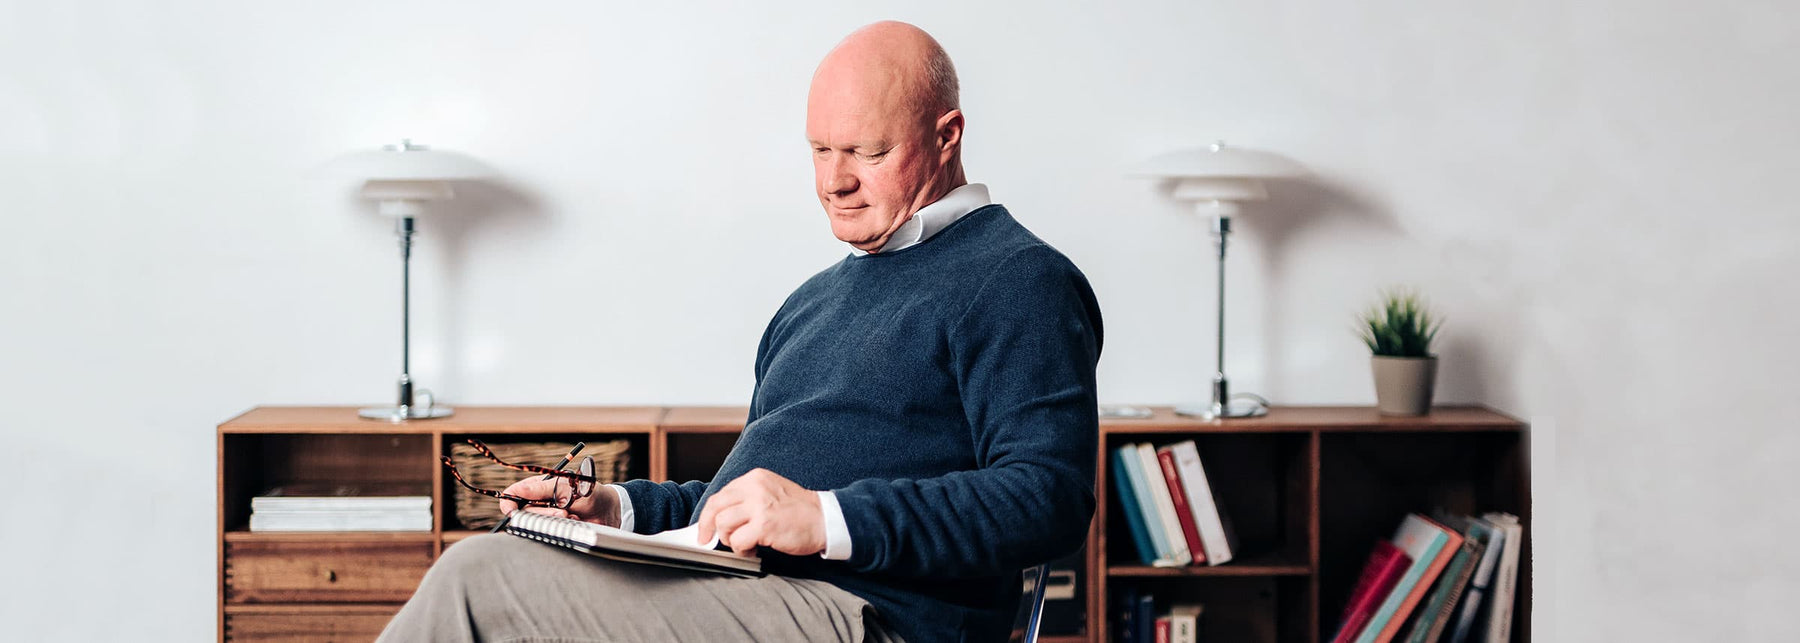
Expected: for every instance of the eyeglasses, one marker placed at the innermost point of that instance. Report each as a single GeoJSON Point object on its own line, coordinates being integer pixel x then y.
{"type": "Point", "coordinates": [570, 485]}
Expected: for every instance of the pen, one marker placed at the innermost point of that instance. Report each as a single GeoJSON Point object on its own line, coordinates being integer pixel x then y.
{"type": "Point", "coordinates": [559, 465]}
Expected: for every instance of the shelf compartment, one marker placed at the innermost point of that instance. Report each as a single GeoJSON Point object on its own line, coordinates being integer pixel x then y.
{"type": "Point", "coordinates": [1263, 482]}
{"type": "Point", "coordinates": [252, 463]}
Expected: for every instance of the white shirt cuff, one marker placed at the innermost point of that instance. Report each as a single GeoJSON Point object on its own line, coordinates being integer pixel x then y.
{"type": "Point", "coordinates": [837, 532]}
{"type": "Point", "coordinates": [627, 520]}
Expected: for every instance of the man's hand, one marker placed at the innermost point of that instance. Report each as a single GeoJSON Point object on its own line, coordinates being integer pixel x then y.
{"type": "Point", "coordinates": [601, 506]}
{"type": "Point", "coordinates": [764, 509]}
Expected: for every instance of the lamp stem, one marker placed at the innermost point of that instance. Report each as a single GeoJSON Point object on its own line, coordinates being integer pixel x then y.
{"type": "Point", "coordinates": [1221, 388]}
{"type": "Point", "coordinates": [404, 229]}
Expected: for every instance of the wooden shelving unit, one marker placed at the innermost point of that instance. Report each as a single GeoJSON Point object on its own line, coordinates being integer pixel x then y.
{"type": "Point", "coordinates": [1310, 488]}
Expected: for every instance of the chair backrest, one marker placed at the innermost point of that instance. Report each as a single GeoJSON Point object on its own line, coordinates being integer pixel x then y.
{"type": "Point", "coordinates": [1037, 603]}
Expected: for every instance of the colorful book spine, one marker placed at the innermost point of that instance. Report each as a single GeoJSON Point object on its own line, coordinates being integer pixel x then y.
{"type": "Point", "coordinates": [1140, 486]}
{"type": "Point", "coordinates": [1494, 540]}
{"type": "Point", "coordinates": [1440, 606]}
{"type": "Point", "coordinates": [1183, 513]}
{"type": "Point", "coordinates": [1165, 507]}
{"type": "Point", "coordinates": [1506, 579]}
{"type": "Point", "coordinates": [1215, 538]}
{"type": "Point", "coordinates": [1128, 505]}
{"type": "Point", "coordinates": [1430, 547]}
{"type": "Point", "coordinates": [1383, 569]}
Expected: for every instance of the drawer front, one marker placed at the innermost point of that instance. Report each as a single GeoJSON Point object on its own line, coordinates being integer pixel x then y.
{"type": "Point", "coordinates": [344, 572]}
{"type": "Point", "coordinates": [360, 625]}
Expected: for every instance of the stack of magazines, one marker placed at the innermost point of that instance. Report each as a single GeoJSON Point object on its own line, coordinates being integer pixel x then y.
{"type": "Point", "coordinates": [342, 507]}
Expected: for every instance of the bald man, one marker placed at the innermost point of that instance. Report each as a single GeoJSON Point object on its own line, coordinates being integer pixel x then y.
{"type": "Point", "coordinates": [923, 425]}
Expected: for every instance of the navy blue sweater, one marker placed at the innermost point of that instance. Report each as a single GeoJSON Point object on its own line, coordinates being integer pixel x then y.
{"type": "Point", "coordinates": [945, 393]}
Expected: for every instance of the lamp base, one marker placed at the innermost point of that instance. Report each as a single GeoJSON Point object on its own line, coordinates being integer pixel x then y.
{"type": "Point", "coordinates": [404, 413]}
{"type": "Point", "coordinates": [1243, 407]}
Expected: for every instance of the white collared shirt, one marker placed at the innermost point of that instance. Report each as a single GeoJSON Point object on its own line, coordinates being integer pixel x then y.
{"type": "Point", "coordinates": [928, 221]}
{"type": "Point", "coordinates": [934, 217]}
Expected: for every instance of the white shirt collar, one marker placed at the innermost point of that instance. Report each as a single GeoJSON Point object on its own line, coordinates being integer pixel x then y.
{"type": "Point", "coordinates": [935, 217]}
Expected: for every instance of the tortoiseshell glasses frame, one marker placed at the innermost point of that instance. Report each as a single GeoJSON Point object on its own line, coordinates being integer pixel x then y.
{"type": "Point", "coordinates": [581, 481]}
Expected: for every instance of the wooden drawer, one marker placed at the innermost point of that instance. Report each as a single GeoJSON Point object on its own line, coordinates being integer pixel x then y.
{"type": "Point", "coordinates": [324, 571]}
{"type": "Point", "coordinates": [307, 624]}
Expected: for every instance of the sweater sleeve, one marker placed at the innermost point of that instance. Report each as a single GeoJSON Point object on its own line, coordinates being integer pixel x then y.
{"type": "Point", "coordinates": [1024, 355]}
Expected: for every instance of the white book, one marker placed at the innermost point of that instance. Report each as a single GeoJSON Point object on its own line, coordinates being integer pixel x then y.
{"type": "Point", "coordinates": [340, 521]}
{"type": "Point", "coordinates": [1201, 502]}
{"type": "Point", "coordinates": [1184, 623]}
{"type": "Point", "coordinates": [1506, 578]}
{"type": "Point", "coordinates": [1140, 487]}
{"type": "Point", "coordinates": [1165, 506]}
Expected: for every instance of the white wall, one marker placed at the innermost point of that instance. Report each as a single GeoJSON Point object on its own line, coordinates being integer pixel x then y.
{"type": "Point", "coordinates": [1595, 194]}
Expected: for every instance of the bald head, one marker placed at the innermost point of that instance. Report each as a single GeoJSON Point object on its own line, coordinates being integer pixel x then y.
{"type": "Point", "coordinates": [885, 123]}
{"type": "Point", "coordinates": [899, 54]}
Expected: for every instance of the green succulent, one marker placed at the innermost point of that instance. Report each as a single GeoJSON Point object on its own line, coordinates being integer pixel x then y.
{"type": "Point", "coordinates": [1399, 326]}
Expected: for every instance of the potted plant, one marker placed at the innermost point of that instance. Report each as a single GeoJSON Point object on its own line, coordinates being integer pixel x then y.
{"type": "Point", "coordinates": [1399, 331]}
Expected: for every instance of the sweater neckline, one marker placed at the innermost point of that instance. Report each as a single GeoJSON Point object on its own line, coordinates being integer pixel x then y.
{"type": "Point", "coordinates": [948, 230]}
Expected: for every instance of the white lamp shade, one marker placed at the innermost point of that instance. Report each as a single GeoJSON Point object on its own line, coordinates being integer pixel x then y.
{"type": "Point", "coordinates": [1219, 161]}
{"type": "Point", "coordinates": [407, 162]}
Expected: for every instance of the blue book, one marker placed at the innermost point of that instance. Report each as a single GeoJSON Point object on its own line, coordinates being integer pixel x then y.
{"type": "Point", "coordinates": [1140, 486]}
{"type": "Point", "coordinates": [1128, 505]}
{"type": "Point", "coordinates": [1146, 618]}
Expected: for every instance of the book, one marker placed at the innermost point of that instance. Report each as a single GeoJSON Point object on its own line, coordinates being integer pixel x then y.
{"type": "Point", "coordinates": [1162, 629]}
{"type": "Point", "coordinates": [1381, 571]}
{"type": "Point", "coordinates": [674, 548]}
{"type": "Point", "coordinates": [1184, 622]}
{"type": "Point", "coordinates": [1506, 576]}
{"type": "Point", "coordinates": [1430, 545]}
{"type": "Point", "coordinates": [369, 496]}
{"type": "Point", "coordinates": [1127, 619]}
{"type": "Point", "coordinates": [1216, 537]}
{"type": "Point", "coordinates": [1494, 541]}
{"type": "Point", "coordinates": [1146, 618]}
{"type": "Point", "coordinates": [1165, 507]}
{"type": "Point", "coordinates": [341, 520]}
{"type": "Point", "coordinates": [1184, 515]}
{"type": "Point", "coordinates": [1140, 485]}
{"type": "Point", "coordinates": [1129, 506]}
{"type": "Point", "coordinates": [1440, 605]}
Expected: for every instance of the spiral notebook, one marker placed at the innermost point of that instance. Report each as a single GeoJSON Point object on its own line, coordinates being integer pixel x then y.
{"type": "Point", "coordinates": [674, 548]}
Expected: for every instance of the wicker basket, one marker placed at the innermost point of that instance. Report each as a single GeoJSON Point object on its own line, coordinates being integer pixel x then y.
{"type": "Point", "coordinates": [476, 511]}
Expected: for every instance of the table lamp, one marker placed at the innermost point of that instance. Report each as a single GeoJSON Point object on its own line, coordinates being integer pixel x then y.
{"type": "Point", "coordinates": [402, 179]}
{"type": "Point", "coordinates": [1219, 178]}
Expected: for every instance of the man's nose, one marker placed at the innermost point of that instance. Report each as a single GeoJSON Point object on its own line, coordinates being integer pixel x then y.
{"type": "Point", "coordinates": [838, 178]}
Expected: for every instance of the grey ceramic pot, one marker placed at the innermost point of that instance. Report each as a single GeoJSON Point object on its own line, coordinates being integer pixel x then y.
{"type": "Point", "coordinates": [1403, 385]}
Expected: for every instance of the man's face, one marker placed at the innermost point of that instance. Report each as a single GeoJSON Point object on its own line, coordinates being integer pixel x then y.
{"type": "Point", "coordinates": [875, 157]}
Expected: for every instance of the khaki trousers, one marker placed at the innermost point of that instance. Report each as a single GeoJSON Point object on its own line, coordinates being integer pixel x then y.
{"type": "Point", "coordinates": [497, 587]}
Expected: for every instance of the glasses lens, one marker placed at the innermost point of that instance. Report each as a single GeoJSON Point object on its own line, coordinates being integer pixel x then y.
{"type": "Point", "coordinates": [585, 487]}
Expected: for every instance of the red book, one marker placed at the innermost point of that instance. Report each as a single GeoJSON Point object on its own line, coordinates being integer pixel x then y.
{"type": "Point", "coordinates": [1386, 564]}
{"type": "Point", "coordinates": [1183, 513]}
{"type": "Point", "coordinates": [1162, 629]}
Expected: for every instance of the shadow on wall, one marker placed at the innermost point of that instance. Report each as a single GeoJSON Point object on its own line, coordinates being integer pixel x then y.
{"type": "Point", "coordinates": [1295, 208]}
{"type": "Point", "coordinates": [489, 209]}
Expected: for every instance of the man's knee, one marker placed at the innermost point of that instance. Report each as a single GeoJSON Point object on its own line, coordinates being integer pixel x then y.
{"type": "Point", "coordinates": [474, 556]}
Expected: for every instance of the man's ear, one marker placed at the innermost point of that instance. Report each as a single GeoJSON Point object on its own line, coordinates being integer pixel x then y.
{"type": "Point", "coordinates": [949, 133]}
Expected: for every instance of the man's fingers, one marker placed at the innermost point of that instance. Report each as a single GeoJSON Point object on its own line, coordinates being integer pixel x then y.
{"type": "Point", "coordinates": [743, 540]}
{"type": "Point", "coordinates": [533, 488]}
{"type": "Point", "coordinates": [730, 519]}
{"type": "Point", "coordinates": [548, 511]}
{"type": "Point", "coordinates": [709, 513]}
